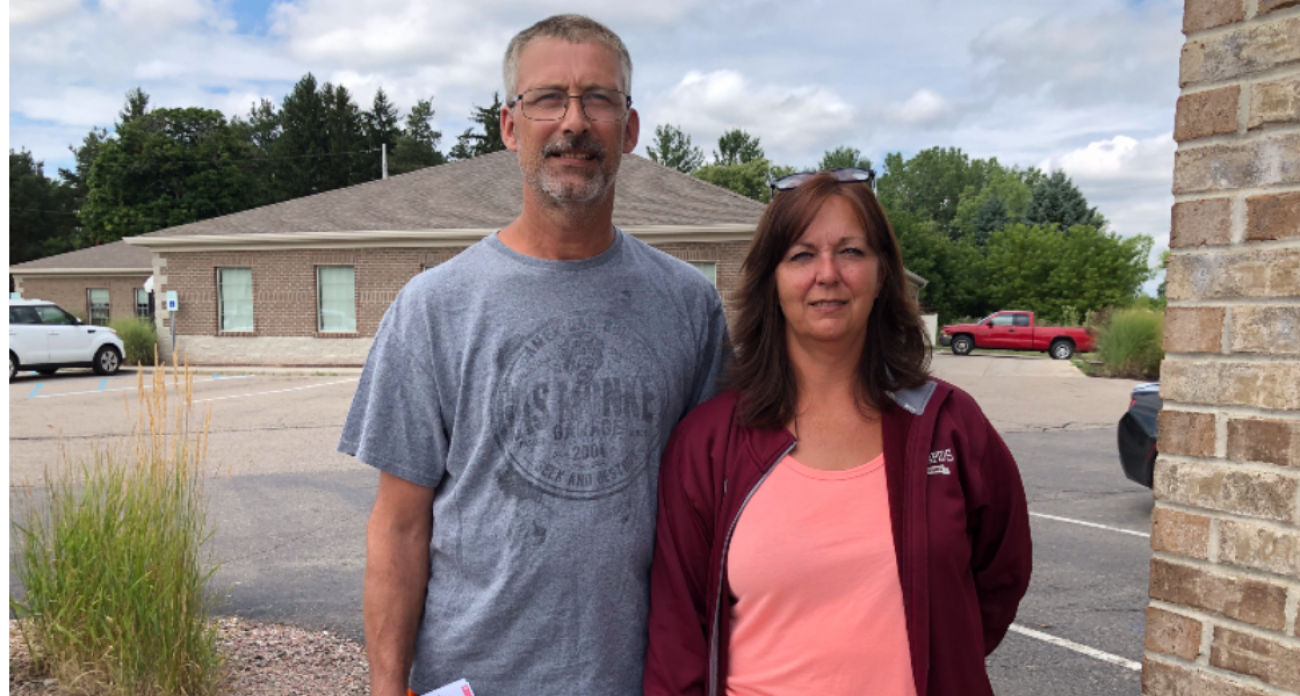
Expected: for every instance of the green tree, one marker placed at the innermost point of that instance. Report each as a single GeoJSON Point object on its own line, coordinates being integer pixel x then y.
{"type": "Point", "coordinates": [471, 144]}
{"type": "Point", "coordinates": [261, 130]}
{"type": "Point", "coordinates": [417, 146]}
{"type": "Point", "coordinates": [749, 178]}
{"type": "Point", "coordinates": [263, 126]}
{"type": "Point", "coordinates": [41, 219]}
{"type": "Point", "coordinates": [1057, 201]}
{"type": "Point", "coordinates": [137, 105]}
{"type": "Point", "coordinates": [1013, 187]}
{"type": "Point", "coordinates": [991, 216]}
{"type": "Point", "coordinates": [303, 142]}
{"type": "Point", "coordinates": [382, 126]}
{"type": "Point", "coordinates": [955, 271]}
{"type": "Point", "coordinates": [168, 167]}
{"type": "Point", "coordinates": [351, 160]}
{"type": "Point", "coordinates": [673, 148]}
{"type": "Point", "coordinates": [76, 182]}
{"type": "Point", "coordinates": [841, 157]}
{"type": "Point", "coordinates": [1042, 269]}
{"type": "Point", "coordinates": [737, 147]}
{"type": "Point", "coordinates": [931, 183]}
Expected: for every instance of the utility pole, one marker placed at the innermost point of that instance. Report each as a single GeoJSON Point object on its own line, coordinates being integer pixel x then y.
{"type": "Point", "coordinates": [383, 158]}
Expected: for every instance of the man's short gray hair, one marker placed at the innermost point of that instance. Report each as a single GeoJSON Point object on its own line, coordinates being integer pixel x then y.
{"type": "Point", "coordinates": [573, 28]}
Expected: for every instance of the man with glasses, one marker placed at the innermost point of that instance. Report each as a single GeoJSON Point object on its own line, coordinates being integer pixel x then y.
{"type": "Point", "coordinates": [517, 400]}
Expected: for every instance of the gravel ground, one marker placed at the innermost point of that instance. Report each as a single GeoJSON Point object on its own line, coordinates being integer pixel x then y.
{"type": "Point", "coordinates": [261, 660]}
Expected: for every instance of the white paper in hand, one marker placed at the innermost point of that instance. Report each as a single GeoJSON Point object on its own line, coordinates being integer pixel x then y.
{"type": "Point", "coordinates": [459, 687]}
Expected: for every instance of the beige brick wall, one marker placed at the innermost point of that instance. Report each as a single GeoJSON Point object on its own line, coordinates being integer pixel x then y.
{"type": "Point", "coordinates": [1225, 568]}
{"type": "Point", "coordinates": [284, 299]}
{"type": "Point", "coordinates": [69, 292]}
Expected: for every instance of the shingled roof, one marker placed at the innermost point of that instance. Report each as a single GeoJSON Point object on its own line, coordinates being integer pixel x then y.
{"type": "Point", "coordinates": [117, 256]}
{"type": "Point", "coordinates": [483, 193]}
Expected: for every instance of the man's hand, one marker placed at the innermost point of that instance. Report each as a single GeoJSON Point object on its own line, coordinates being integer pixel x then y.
{"type": "Point", "coordinates": [397, 576]}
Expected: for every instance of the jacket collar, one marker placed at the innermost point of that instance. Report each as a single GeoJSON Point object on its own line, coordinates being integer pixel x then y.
{"type": "Point", "coordinates": [915, 399]}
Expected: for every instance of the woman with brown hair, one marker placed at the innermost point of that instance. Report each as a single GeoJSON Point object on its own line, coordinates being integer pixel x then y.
{"type": "Point", "coordinates": [837, 522]}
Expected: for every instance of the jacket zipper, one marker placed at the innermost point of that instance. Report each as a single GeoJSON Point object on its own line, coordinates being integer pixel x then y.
{"type": "Point", "coordinates": [726, 544]}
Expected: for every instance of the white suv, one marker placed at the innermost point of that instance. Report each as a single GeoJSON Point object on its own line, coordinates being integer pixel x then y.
{"type": "Point", "coordinates": [43, 338]}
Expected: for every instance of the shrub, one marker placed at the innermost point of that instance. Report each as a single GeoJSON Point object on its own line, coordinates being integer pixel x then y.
{"type": "Point", "coordinates": [115, 583]}
{"type": "Point", "coordinates": [139, 337]}
{"type": "Point", "coordinates": [1070, 316]}
{"type": "Point", "coordinates": [1130, 344]}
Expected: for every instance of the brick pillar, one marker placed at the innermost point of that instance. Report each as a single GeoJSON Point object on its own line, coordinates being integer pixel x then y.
{"type": "Point", "coordinates": [1225, 534]}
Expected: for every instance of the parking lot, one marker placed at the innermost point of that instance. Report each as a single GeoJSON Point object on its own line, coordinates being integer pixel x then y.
{"type": "Point", "coordinates": [290, 511]}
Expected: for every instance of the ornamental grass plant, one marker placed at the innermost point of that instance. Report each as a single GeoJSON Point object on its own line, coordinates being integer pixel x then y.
{"type": "Point", "coordinates": [1131, 343]}
{"type": "Point", "coordinates": [112, 557]}
{"type": "Point", "coordinates": [139, 337]}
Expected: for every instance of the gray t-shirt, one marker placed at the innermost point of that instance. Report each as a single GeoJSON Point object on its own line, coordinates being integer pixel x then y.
{"type": "Point", "coordinates": [537, 396]}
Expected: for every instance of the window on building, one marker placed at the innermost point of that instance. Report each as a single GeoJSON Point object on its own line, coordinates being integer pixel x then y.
{"type": "Point", "coordinates": [143, 307]}
{"type": "Point", "coordinates": [97, 301]}
{"type": "Point", "coordinates": [336, 299]}
{"type": "Point", "coordinates": [235, 293]}
{"type": "Point", "coordinates": [709, 269]}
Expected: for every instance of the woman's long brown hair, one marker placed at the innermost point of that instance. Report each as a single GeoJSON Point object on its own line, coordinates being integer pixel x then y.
{"type": "Point", "coordinates": [895, 355]}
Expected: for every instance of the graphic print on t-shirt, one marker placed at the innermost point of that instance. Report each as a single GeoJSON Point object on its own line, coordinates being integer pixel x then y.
{"type": "Point", "coordinates": [578, 406]}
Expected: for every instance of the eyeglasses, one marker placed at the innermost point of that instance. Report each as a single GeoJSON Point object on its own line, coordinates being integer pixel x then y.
{"type": "Point", "coordinates": [844, 175]}
{"type": "Point", "coordinates": [550, 104]}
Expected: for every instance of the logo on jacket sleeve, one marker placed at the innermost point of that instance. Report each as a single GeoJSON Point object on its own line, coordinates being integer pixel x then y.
{"type": "Point", "coordinates": [938, 460]}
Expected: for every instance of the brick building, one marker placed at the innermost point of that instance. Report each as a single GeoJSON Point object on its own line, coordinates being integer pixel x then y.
{"type": "Point", "coordinates": [306, 282]}
{"type": "Point", "coordinates": [98, 284]}
{"type": "Point", "coordinates": [1225, 571]}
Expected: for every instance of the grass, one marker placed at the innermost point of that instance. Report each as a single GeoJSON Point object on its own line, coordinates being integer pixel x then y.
{"type": "Point", "coordinates": [1130, 344]}
{"type": "Point", "coordinates": [116, 597]}
{"type": "Point", "coordinates": [139, 337]}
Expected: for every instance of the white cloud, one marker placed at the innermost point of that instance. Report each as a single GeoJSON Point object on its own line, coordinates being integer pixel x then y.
{"type": "Point", "coordinates": [36, 11]}
{"type": "Point", "coordinates": [465, 39]}
{"type": "Point", "coordinates": [72, 106]}
{"type": "Point", "coordinates": [156, 14]}
{"type": "Point", "coordinates": [1119, 56]}
{"type": "Point", "coordinates": [1120, 159]}
{"type": "Point", "coordinates": [790, 120]}
{"type": "Point", "coordinates": [1129, 181]}
{"type": "Point", "coordinates": [923, 108]}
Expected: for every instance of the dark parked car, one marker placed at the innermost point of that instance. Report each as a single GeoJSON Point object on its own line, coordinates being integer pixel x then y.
{"type": "Point", "coordinates": [1137, 433]}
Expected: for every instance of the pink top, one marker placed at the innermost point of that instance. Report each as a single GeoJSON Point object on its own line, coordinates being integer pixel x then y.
{"type": "Point", "coordinates": [818, 605]}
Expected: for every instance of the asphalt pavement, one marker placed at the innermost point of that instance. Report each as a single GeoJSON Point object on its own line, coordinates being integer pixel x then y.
{"type": "Point", "coordinates": [290, 512]}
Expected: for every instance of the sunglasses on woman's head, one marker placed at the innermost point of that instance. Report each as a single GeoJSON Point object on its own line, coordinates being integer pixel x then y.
{"type": "Point", "coordinates": [844, 175]}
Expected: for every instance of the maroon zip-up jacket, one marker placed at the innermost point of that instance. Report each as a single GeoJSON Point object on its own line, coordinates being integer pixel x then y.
{"type": "Point", "coordinates": [958, 517]}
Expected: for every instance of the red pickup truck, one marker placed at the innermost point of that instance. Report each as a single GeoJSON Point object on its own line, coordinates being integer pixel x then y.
{"type": "Point", "coordinates": [1014, 330]}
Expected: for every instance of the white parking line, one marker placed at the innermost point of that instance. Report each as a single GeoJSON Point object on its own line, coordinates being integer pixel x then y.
{"type": "Point", "coordinates": [1108, 528]}
{"type": "Point", "coordinates": [277, 391]}
{"type": "Point", "coordinates": [1077, 647]}
{"type": "Point", "coordinates": [101, 390]}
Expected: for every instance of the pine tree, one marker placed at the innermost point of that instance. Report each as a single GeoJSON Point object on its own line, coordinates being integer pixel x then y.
{"type": "Point", "coordinates": [350, 161]}
{"type": "Point", "coordinates": [137, 105]}
{"type": "Point", "coordinates": [470, 144]}
{"type": "Point", "coordinates": [259, 132]}
{"type": "Point", "coordinates": [991, 217]}
{"type": "Point", "coordinates": [382, 129]}
{"type": "Point", "coordinates": [1056, 200]}
{"type": "Point", "coordinates": [417, 146]}
{"type": "Point", "coordinates": [303, 141]}
{"type": "Point", "coordinates": [672, 148]}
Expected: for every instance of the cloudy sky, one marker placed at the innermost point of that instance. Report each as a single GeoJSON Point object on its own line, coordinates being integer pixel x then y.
{"type": "Point", "coordinates": [1087, 86]}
